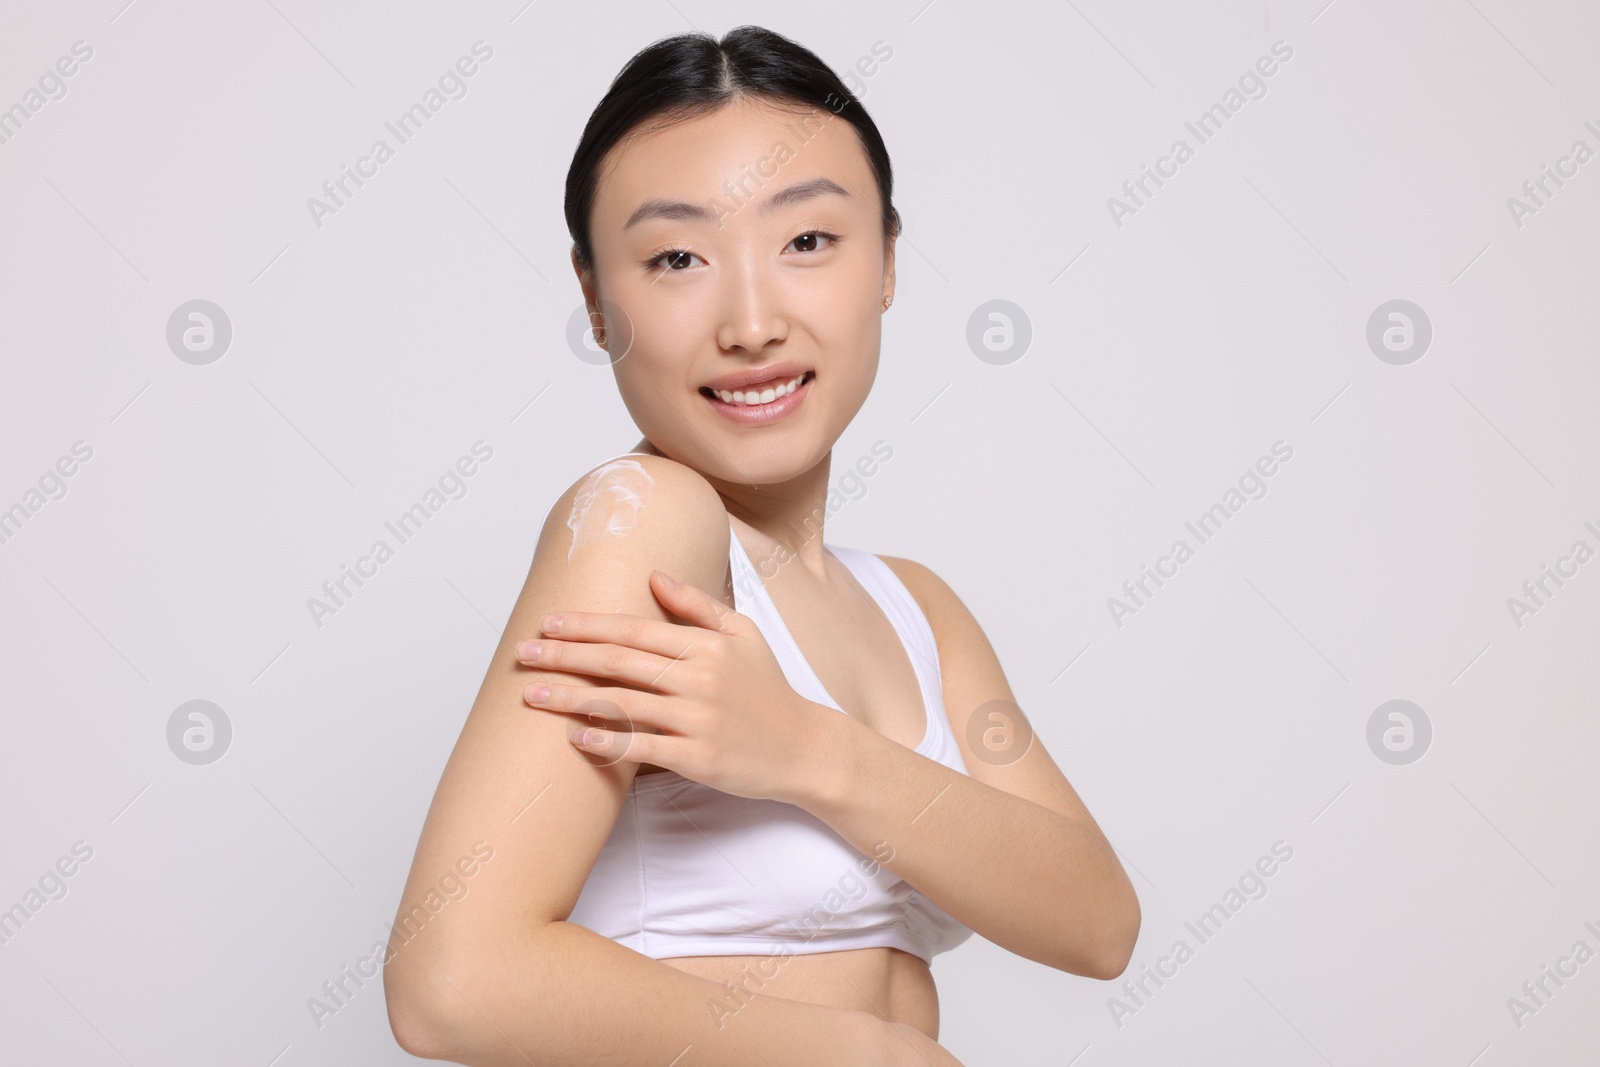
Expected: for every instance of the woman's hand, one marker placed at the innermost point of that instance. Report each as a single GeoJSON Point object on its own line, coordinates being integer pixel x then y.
{"type": "Point", "coordinates": [726, 713]}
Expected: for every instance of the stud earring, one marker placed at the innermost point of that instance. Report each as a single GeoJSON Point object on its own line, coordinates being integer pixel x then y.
{"type": "Point", "coordinates": [887, 301]}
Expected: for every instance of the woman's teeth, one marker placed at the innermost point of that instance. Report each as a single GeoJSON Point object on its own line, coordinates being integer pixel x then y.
{"type": "Point", "coordinates": [765, 396]}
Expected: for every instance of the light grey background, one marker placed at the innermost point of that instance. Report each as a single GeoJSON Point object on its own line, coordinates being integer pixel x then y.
{"type": "Point", "coordinates": [1168, 353]}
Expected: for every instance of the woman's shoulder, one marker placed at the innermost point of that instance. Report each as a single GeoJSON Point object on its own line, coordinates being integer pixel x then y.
{"type": "Point", "coordinates": [943, 609]}
{"type": "Point", "coordinates": [972, 680]}
{"type": "Point", "coordinates": [647, 461]}
{"type": "Point", "coordinates": [647, 477]}
{"type": "Point", "coordinates": [919, 579]}
{"type": "Point", "coordinates": [666, 508]}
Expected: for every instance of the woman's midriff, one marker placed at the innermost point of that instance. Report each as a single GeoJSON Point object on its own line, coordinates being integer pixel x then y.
{"type": "Point", "coordinates": [893, 985]}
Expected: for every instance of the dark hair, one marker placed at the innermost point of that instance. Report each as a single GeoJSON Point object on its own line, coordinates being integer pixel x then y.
{"type": "Point", "coordinates": [692, 74]}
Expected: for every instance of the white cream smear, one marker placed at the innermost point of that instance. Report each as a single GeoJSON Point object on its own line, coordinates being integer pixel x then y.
{"type": "Point", "coordinates": [608, 502]}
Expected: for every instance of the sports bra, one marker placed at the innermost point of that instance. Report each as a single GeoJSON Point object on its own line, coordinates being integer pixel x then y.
{"type": "Point", "coordinates": [689, 870]}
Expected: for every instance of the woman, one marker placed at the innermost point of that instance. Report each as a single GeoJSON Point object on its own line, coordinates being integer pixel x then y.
{"type": "Point", "coordinates": [726, 876]}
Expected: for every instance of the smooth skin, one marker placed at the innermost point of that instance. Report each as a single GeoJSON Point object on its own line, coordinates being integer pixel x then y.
{"type": "Point", "coordinates": [499, 976]}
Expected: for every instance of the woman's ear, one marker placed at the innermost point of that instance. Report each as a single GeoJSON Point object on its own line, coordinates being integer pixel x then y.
{"type": "Point", "coordinates": [888, 268]}
{"type": "Point", "coordinates": [591, 299]}
{"type": "Point", "coordinates": [585, 278]}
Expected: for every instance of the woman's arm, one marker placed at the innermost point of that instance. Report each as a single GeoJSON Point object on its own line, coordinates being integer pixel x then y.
{"type": "Point", "coordinates": [1008, 849]}
{"type": "Point", "coordinates": [489, 971]}
{"type": "Point", "coordinates": [563, 994]}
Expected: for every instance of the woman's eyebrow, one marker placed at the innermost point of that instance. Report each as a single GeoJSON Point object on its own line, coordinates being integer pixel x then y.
{"type": "Point", "coordinates": [659, 208]}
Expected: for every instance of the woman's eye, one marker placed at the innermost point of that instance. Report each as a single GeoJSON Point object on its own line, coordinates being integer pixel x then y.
{"type": "Point", "coordinates": [679, 259]}
{"type": "Point", "coordinates": [674, 259]}
{"type": "Point", "coordinates": [810, 240]}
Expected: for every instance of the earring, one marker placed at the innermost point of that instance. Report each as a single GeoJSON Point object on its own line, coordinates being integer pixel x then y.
{"type": "Point", "coordinates": [887, 301]}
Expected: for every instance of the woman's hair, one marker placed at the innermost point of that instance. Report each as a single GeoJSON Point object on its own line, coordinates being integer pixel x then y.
{"type": "Point", "coordinates": [693, 74]}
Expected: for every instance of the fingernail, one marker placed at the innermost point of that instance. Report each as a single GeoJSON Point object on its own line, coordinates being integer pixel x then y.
{"type": "Point", "coordinates": [528, 650]}
{"type": "Point", "coordinates": [537, 694]}
{"type": "Point", "coordinates": [550, 624]}
{"type": "Point", "coordinates": [671, 581]}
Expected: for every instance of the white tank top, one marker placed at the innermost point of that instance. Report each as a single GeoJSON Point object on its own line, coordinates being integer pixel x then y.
{"type": "Point", "coordinates": [692, 871]}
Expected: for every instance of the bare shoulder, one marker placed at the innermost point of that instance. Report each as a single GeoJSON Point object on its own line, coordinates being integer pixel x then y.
{"type": "Point", "coordinates": [969, 668]}
{"type": "Point", "coordinates": [945, 610]}
{"type": "Point", "coordinates": [638, 503]}
{"type": "Point", "coordinates": [653, 469]}
{"type": "Point", "coordinates": [978, 701]}
{"type": "Point", "coordinates": [638, 480]}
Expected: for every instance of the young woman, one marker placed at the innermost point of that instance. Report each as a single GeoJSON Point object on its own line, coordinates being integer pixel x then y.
{"type": "Point", "coordinates": [811, 775]}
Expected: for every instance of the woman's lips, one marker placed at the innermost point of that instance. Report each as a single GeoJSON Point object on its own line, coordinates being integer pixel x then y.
{"type": "Point", "coordinates": [761, 414]}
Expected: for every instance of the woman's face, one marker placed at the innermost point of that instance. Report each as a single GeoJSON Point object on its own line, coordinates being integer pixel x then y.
{"type": "Point", "coordinates": [741, 240]}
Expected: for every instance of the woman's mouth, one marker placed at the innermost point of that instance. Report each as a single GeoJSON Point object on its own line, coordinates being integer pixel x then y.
{"type": "Point", "coordinates": [762, 403]}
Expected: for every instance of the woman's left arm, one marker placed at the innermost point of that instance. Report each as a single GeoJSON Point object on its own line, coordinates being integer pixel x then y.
{"type": "Point", "coordinates": [1008, 849]}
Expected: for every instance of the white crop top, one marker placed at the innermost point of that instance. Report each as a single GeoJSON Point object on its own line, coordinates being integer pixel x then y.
{"type": "Point", "coordinates": [692, 871]}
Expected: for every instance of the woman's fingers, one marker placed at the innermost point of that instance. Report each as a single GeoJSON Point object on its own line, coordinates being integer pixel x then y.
{"type": "Point", "coordinates": [608, 746]}
{"type": "Point", "coordinates": [700, 611]}
{"type": "Point", "coordinates": [634, 631]}
{"type": "Point", "coordinates": [609, 708]}
{"type": "Point", "coordinates": [606, 738]}
{"type": "Point", "coordinates": [695, 605]}
{"type": "Point", "coordinates": [617, 663]}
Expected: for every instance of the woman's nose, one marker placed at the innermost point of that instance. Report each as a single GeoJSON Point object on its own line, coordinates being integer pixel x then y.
{"type": "Point", "coordinates": [752, 313]}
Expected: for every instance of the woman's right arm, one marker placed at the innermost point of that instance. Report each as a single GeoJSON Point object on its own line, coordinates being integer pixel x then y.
{"type": "Point", "coordinates": [491, 972]}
